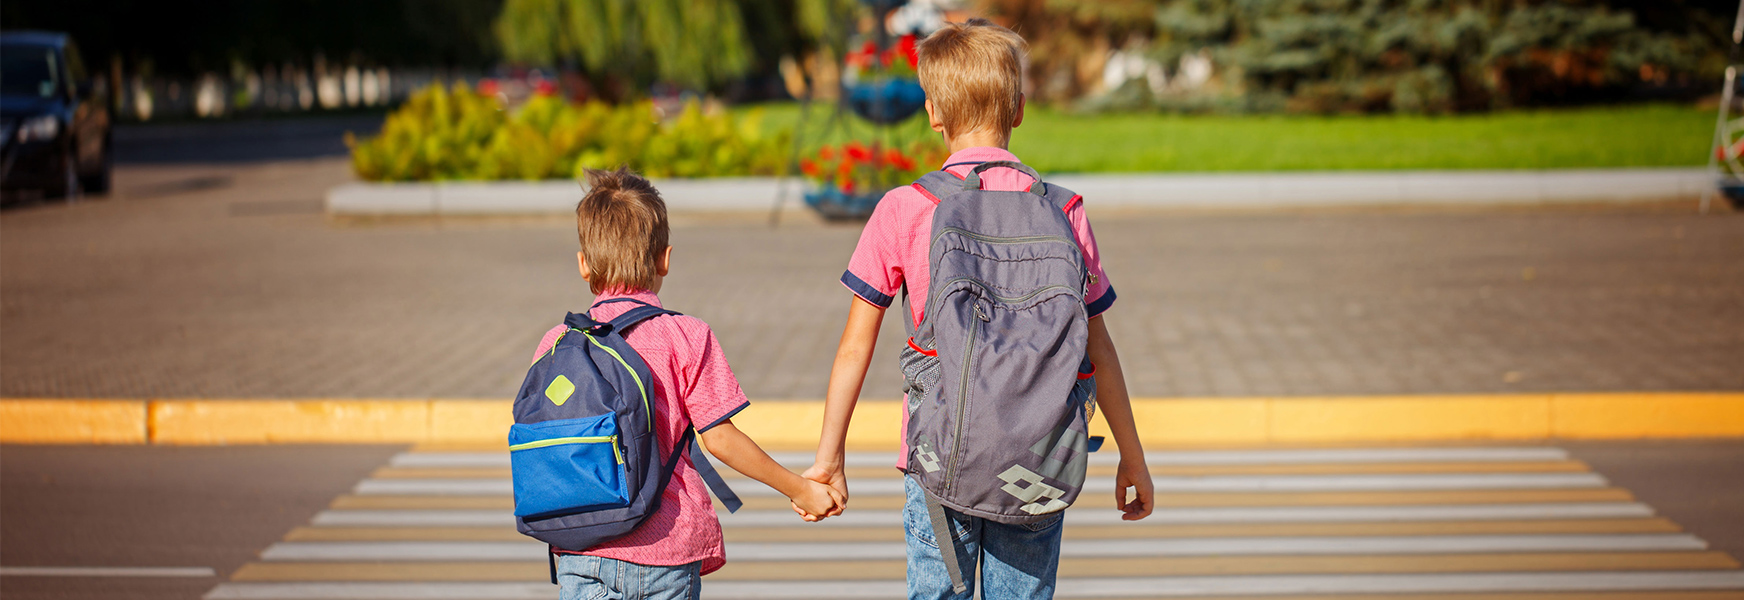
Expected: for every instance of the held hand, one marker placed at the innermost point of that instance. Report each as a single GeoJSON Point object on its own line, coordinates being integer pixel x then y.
{"type": "Point", "coordinates": [1134, 474]}
{"type": "Point", "coordinates": [834, 476]}
{"type": "Point", "coordinates": [816, 501]}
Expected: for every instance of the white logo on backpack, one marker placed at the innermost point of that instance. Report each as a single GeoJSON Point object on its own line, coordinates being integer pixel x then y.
{"type": "Point", "coordinates": [1032, 493]}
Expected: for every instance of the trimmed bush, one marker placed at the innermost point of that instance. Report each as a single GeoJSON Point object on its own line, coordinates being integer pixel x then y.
{"type": "Point", "coordinates": [458, 134]}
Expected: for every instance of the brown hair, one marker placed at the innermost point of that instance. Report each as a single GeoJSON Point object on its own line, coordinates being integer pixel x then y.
{"type": "Point", "coordinates": [973, 73]}
{"type": "Point", "coordinates": [622, 225]}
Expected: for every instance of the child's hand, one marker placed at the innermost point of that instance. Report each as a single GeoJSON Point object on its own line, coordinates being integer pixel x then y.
{"type": "Point", "coordinates": [834, 476]}
{"type": "Point", "coordinates": [1133, 473]}
{"type": "Point", "coordinates": [817, 501]}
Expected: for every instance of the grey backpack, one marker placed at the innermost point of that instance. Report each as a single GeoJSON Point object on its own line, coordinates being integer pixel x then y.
{"type": "Point", "coordinates": [999, 382]}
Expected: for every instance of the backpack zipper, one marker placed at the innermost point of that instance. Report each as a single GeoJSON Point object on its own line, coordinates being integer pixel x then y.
{"type": "Point", "coordinates": [564, 441]}
{"type": "Point", "coordinates": [996, 296]}
{"type": "Point", "coordinates": [1026, 239]}
{"type": "Point", "coordinates": [963, 396]}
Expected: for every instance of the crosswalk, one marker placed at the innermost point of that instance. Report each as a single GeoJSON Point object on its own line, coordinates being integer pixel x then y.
{"type": "Point", "coordinates": [1459, 523]}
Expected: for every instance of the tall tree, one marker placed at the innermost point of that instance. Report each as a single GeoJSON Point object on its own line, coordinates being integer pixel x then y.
{"type": "Point", "coordinates": [694, 43]}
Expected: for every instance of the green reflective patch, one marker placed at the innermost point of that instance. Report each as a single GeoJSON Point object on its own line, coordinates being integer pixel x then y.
{"type": "Point", "coordinates": [560, 390]}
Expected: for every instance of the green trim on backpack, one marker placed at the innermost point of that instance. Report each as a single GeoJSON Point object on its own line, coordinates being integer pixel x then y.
{"type": "Point", "coordinates": [633, 375]}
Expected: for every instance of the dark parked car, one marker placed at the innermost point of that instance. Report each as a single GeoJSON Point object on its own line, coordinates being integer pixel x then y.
{"type": "Point", "coordinates": [54, 132]}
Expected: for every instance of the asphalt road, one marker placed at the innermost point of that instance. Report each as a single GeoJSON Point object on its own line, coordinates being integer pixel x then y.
{"type": "Point", "coordinates": [1699, 484]}
{"type": "Point", "coordinates": [242, 141]}
{"type": "Point", "coordinates": [143, 506]}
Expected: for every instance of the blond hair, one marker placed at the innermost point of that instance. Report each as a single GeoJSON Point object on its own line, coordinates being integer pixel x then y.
{"type": "Point", "coordinates": [622, 225]}
{"type": "Point", "coordinates": [973, 73]}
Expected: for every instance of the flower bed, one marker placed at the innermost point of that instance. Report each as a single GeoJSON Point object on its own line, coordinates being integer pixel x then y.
{"type": "Point", "coordinates": [847, 180]}
{"type": "Point", "coordinates": [459, 134]}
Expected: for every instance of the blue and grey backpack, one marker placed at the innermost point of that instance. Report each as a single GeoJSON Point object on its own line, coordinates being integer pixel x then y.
{"type": "Point", "coordinates": [583, 450]}
{"type": "Point", "coordinates": [999, 381]}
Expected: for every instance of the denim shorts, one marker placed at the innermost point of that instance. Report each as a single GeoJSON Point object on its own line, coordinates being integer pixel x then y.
{"type": "Point", "coordinates": [596, 578]}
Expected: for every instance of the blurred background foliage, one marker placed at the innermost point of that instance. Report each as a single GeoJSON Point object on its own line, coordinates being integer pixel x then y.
{"type": "Point", "coordinates": [1407, 56]}
{"type": "Point", "coordinates": [1313, 56]}
{"type": "Point", "coordinates": [624, 46]}
{"type": "Point", "coordinates": [457, 133]}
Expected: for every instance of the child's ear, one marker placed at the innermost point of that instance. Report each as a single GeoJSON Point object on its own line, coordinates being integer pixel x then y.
{"type": "Point", "coordinates": [1019, 120]}
{"type": "Point", "coordinates": [665, 263]}
{"type": "Point", "coordinates": [581, 261]}
{"type": "Point", "coordinates": [933, 118]}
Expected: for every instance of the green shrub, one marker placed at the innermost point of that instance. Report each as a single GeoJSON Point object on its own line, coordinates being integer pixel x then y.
{"type": "Point", "coordinates": [455, 133]}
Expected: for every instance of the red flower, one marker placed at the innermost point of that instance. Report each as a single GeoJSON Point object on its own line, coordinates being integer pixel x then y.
{"type": "Point", "coordinates": [857, 152]}
{"type": "Point", "coordinates": [845, 171]}
{"type": "Point", "coordinates": [809, 167]}
{"type": "Point", "coordinates": [892, 157]}
{"type": "Point", "coordinates": [545, 88]}
{"type": "Point", "coordinates": [848, 187]}
{"type": "Point", "coordinates": [905, 45]}
{"type": "Point", "coordinates": [487, 87]}
{"type": "Point", "coordinates": [826, 153]}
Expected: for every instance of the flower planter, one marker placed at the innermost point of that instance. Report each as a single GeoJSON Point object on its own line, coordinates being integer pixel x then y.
{"type": "Point", "coordinates": [1733, 190]}
{"type": "Point", "coordinates": [835, 204]}
{"type": "Point", "coordinates": [886, 101]}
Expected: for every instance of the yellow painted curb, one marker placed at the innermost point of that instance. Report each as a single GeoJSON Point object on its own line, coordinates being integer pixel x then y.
{"type": "Point", "coordinates": [289, 421]}
{"type": "Point", "coordinates": [1667, 415]}
{"type": "Point", "coordinates": [1407, 418]}
{"type": "Point", "coordinates": [795, 424]}
{"type": "Point", "coordinates": [55, 421]}
{"type": "Point", "coordinates": [877, 424]}
{"type": "Point", "coordinates": [471, 421]}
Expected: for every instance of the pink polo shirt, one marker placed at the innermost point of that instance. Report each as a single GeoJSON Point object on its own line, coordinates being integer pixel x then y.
{"type": "Point", "coordinates": [692, 384]}
{"type": "Point", "coordinates": [893, 248]}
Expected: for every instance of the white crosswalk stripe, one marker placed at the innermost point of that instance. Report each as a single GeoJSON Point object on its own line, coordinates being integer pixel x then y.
{"type": "Point", "coordinates": [1079, 516]}
{"type": "Point", "coordinates": [1101, 485]}
{"type": "Point", "coordinates": [793, 551]}
{"type": "Point", "coordinates": [1564, 531]}
{"type": "Point", "coordinates": [801, 460]}
{"type": "Point", "coordinates": [1159, 587]}
{"type": "Point", "coordinates": [1249, 457]}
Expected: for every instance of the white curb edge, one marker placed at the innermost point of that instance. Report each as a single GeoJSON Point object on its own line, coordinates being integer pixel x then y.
{"type": "Point", "coordinates": [1130, 190]}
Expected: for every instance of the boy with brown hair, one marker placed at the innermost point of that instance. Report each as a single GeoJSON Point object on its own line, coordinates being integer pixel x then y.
{"type": "Point", "coordinates": [972, 74]}
{"type": "Point", "coordinates": [624, 256]}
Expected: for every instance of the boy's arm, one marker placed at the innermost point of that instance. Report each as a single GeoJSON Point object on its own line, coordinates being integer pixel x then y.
{"type": "Point", "coordinates": [726, 442]}
{"type": "Point", "coordinates": [1117, 410]}
{"type": "Point", "coordinates": [853, 356]}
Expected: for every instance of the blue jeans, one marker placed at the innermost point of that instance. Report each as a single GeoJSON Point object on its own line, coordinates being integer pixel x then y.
{"type": "Point", "coordinates": [1015, 561]}
{"type": "Point", "coordinates": [595, 578]}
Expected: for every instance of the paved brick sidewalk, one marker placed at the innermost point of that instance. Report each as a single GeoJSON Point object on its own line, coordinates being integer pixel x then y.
{"type": "Point", "coordinates": [228, 282]}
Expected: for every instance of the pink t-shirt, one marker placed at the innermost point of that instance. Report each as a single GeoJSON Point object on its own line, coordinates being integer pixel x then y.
{"type": "Point", "coordinates": [893, 248]}
{"type": "Point", "coordinates": [692, 384]}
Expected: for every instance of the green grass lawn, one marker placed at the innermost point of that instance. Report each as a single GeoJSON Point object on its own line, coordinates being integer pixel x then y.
{"type": "Point", "coordinates": [1625, 136]}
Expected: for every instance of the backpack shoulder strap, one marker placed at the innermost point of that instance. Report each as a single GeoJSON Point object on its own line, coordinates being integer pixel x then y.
{"type": "Point", "coordinates": [636, 315]}
{"type": "Point", "coordinates": [642, 312]}
{"type": "Point", "coordinates": [710, 476]}
{"type": "Point", "coordinates": [1060, 197]}
{"type": "Point", "coordinates": [938, 184]}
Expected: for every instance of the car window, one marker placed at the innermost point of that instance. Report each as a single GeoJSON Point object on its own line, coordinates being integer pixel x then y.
{"type": "Point", "coordinates": [29, 71]}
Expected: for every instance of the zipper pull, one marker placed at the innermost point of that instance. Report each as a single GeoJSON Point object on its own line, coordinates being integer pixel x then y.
{"type": "Point", "coordinates": [979, 314]}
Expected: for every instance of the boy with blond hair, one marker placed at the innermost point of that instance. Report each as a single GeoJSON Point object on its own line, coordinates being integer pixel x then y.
{"type": "Point", "coordinates": [972, 74]}
{"type": "Point", "coordinates": [624, 258]}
